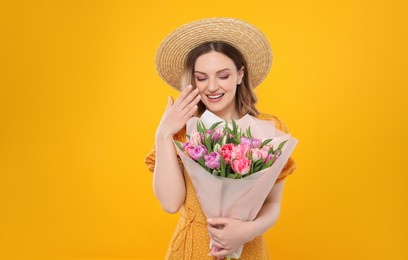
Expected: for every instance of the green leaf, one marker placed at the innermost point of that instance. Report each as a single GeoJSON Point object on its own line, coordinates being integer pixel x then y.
{"type": "Point", "coordinates": [211, 138]}
{"type": "Point", "coordinates": [203, 126]}
{"type": "Point", "coordinates": [265, 142]}
{"type": "Point", "coordinates": [258, 168]}
{"type": "Point", "coordinates": [199, 127]}
{"type": "Point", "coordinates": [281, 145]}
{"type": "Point", "coordinates": [234, 126]}
{"type": "Point", "coordinates": [233, 175]}
{"type": "Point", "coordinates": [179, 145]}
{"type": "Point", "coordinates": [215, 125]}
{"type": "Point", "coordinates": [249, 132]}
{"type": "Point", "coordinates": [188, 136]}
{"type": "Point", "coordinates": [207, 144]}
{"type": "Point", "coordinates": [230, 131]}
{"type": "Point", "coordinates": [222, 164]}
{"type": "Point", "coordinates": [202, 163]}
{"type": "Point", "coordinates": [269, 163]}
{"type": "Point", "coordinates": [259, 161]}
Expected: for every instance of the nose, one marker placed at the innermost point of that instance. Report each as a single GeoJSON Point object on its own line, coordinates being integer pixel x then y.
{"type": "Point", "coordinates": [212, 85]}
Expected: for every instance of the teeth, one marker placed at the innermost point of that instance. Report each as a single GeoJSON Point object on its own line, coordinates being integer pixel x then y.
{"type": "Point", "coordinates": [214, 97]}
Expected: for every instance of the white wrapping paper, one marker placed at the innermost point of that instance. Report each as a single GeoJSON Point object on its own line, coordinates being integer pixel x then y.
{"type": "Point", "coordinates": [237, 198]}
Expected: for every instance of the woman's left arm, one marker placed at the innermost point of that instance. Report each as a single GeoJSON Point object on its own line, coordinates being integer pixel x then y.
{"type": "Point", "coordinates": [269, 213]}
{"type": "Point", "coordinates": [236, 233]}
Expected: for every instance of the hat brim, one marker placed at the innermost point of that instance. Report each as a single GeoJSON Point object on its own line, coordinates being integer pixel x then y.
{"type": "Point", "coordinates": [248, 39]}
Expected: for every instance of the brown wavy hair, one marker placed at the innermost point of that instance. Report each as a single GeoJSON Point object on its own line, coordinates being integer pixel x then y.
{"type": "Point", "coordinates": [245, 97]}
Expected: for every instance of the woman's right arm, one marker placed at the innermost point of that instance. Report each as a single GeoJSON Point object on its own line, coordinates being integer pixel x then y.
{"type": "Point", "coordinates": [168, 180]}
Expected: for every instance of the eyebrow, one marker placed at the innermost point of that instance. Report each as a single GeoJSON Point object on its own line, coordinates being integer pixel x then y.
{"type": "Point", "coordinates": [196, 71]}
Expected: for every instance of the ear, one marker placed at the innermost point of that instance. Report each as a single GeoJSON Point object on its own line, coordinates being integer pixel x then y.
{"type": "Point", "coordinates": [240, 75]}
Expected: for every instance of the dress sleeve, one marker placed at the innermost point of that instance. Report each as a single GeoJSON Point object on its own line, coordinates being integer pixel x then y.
{"type": "Point", "coordinates": [150, 159]}
{"type": "Point", "coordinates": [290, 165]}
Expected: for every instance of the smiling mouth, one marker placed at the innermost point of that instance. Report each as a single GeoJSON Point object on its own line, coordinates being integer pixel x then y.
{"type": "Point", "coordinates": [215, 96]}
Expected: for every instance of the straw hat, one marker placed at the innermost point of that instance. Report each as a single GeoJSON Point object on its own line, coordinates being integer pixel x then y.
{"type": "Point", "coordinates": [248, 39]}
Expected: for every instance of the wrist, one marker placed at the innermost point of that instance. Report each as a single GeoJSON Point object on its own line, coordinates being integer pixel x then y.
{"type": "Point", "coordinates": [253, 230]}
{"type": "Point", "coordinates": [163, 136]}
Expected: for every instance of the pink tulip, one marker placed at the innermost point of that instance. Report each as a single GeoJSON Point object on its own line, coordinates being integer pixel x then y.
{"type": "Point", "coordinates": [226, 152]}
{"type": "Point", "coordinates": [251, 142]}
{"type": "Point", "coordinates": [212, 160]}
{"type": "Point", "coordinates": [197, 152]}
{"type": "Point", "coordinates": [240, 151]}
{"type": "Point", "coordinates": [245, 141]}
{"type": "Point", "coordinates": [217, 134]}
{"type": "Point", "coordinates": [259, 154]}
{"type": "Point", "coordinates": [270, 156]}
{"type": "Point", "coordinates": [255, 143]}
{"type": "Point", "coordinates": [195, 139]}
{"type": "Point", "coordinates": [266, 147]}
{"type": "Point", "coordinates": [241, 165]}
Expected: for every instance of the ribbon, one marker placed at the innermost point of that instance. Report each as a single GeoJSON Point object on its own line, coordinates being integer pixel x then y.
{"type": "Point", "coordinates": [186, 233]}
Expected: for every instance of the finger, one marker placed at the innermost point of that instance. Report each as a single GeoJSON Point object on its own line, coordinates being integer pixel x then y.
{"type": "Point", "coordinates": [214, 231]}
{"type": "Point", "coordinates": [191, 106]}
{"type": "Point", "coordinates": [217, 243]}
{"type": "Point", "coordinates": [169, 102]}
{"type": "Point", "coordinates": [222, 253]}
{"type": "Point", "coordinates": [215, 248]}
{"type": "Point", "coordinates": [216, 235]}
{"type": "Point", "coordinates": [218, 221]}
{"type": "Point", "coordinates": [190, 97]}
{"type": "Point", "coordinates": [190, 113]}
{"type": "Point", "coordinates": [183, 95]}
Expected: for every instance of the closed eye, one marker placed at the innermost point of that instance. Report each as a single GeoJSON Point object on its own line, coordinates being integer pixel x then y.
{"type": "Point", "coordinates": [225, 77]}
{"type": "Point", "coordinates": [201, 79]}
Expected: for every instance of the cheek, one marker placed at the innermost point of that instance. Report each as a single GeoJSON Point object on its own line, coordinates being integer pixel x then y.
{"type": "Point", "coordinates": [229, 85]}
{"type": "Point", "coordinates": [200, 87]}
{"type": "Point", "coordinates": [199, 84]}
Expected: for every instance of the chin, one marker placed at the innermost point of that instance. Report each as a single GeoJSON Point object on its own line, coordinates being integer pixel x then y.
{"type": "Point", "coordinates": [214, 108]}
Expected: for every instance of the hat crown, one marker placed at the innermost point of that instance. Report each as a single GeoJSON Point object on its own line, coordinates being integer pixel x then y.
{"type": "Point", "coordinates": [249, 40]}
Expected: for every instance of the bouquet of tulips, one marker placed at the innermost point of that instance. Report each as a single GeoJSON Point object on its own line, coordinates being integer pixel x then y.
{"type": "Point", "coordinates": [233, 171]}
{"type": "Point", "coordinates": [229, 152]}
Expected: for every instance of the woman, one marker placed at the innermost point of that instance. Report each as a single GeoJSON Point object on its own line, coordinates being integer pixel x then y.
{"type": "Point", "coordinates": [215, 63]}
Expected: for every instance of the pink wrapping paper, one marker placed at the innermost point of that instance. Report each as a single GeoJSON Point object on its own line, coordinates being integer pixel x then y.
{"type": "Point", "coordinates": [237, 198]}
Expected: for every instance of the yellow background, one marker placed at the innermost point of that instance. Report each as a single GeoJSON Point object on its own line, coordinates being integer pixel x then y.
{"type": "Point", "coordinates": [80, 101]}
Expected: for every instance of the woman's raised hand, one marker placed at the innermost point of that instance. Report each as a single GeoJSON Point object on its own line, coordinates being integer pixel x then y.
{"type": "Point", "coordinates": [176, 115]}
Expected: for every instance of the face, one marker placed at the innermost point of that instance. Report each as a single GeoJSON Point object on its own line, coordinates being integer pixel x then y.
{"type": "Point", "coordinates": [216, 77]}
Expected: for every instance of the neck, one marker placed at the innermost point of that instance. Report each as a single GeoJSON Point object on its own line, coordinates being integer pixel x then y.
{"type": "Point", "coordinates": [228, 115]}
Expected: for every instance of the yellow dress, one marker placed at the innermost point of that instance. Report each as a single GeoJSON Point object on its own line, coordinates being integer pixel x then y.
{"type": "Point", "coordinates": [190, 239]}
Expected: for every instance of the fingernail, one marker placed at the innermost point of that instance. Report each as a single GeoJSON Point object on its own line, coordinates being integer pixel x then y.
{"type": "Point", "coordinates": [209, 220]}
